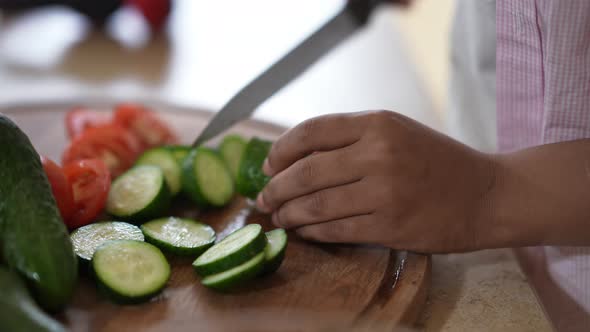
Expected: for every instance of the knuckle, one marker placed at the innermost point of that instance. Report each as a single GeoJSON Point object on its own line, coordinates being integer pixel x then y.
{"type": "Point", "coordinates": [283, 217]}
{"type": "Point", "coordinates": [337, 231]}
{"type": "Point", "coordinates": [306, 129]}
{"type": "Point", "coordinates": [382, 147]}
{"type": "Point", "coordinates": [379, 116]}
{"type": "Point", "coordinates": [316, 204]}
{"type": "Point", "coordinates": [340, 232]}
{"type": "Point", "coordinates": [305, 172]}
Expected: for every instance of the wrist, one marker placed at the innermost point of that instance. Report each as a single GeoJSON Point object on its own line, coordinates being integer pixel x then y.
{"type": "Point", "coordinates": [507, 210]}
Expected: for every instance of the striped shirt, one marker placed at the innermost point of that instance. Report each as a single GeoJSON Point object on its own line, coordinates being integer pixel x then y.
{"type": "Point", "coordinates": [543, 96]}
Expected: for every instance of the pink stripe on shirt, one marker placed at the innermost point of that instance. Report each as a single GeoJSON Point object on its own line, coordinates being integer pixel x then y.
{"type": "Point", "coordinates": [543, 96]}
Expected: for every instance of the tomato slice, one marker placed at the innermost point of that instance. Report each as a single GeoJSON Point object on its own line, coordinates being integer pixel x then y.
{"type": "Point", "coordinates": [145, 124]}
{"type": "Point", "coordinates": [60, 187]}
{"type": "Point", "coordinates": [91, 181]}
{"type": "Point", "coordinates": [113, 144]}
{"type": "Point", "coordinates": [79, 119]}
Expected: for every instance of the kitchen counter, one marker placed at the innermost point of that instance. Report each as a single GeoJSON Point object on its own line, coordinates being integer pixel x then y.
{"type": "Point", "coordinates": [481, 291]}
{"type": "Point", "coordinates": [208, 53]}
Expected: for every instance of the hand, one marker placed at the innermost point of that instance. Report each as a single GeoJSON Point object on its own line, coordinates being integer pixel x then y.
{"type": "Point", "coordinates": [378, 178]}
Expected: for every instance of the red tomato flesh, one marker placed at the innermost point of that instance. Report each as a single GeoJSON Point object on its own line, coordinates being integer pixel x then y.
{"type": "Point", "coordinates": [145, 124]}
{"type": "Point", "coordinates": [91, 181]}
{"type": "Point", "coordinates": [60, 187]}
{"type": "Point", "coordinates": [79, 119]}
{"type": "Point", "coordinates": [113, 144]}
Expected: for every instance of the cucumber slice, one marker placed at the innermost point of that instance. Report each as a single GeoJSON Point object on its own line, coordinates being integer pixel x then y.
{"type": "Point", "coordinates": [88, 238]}
{"type": "Point", "coordinates": [140, 193]}
{"type": "Point", "coordinates": [232, 148]}
{"type": "Point", "coordinates": [206, 179]}
{"type": "Point", "coordinates": [130, 271]}
{"type": "Point", "coordinates": [164, 158]}
{"type": "Point", "coordinates": [179, 152]}
{"type": "Point", "coordinates": [179, 236]}
{"type": "Point", "coordinates": [237, 248]}
{"type": "Point", "coordinates": [238, 275]}
{"type": "Point", "coordinates": [275, 249]}
{"type": "Point", "coordinates": [251, 179]}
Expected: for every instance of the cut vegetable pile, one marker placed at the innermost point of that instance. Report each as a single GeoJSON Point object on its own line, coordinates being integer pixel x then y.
{"type": "Point", "coordinates": [241, 256]}
{"type": "Point", "coordinates": [126, 164]}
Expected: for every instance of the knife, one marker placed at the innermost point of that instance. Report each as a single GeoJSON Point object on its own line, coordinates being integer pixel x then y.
{"type": "Point", "coordinates": [350, 18]}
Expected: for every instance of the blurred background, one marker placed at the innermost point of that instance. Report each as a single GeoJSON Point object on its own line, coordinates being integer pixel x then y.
{"type": "Point", "coordinates": [202, 52]}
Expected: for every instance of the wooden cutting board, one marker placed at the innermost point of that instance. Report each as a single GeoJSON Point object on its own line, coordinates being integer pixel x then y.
{"type": "Point", "coordinates": [319, 286]}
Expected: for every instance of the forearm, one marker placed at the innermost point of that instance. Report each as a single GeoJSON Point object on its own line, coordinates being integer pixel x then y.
{"type": "Point", "coordinates": [541, 196]}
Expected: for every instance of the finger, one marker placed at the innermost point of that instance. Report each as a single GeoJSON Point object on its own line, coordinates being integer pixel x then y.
{"type": "Point", "coordinates": [318, 171]}
{"type": "Point", "coordinates": [357, 229]}
{"type": "Point", "coordinates": [328, 204]}
{"type": "Point", "coordinates": [323, 133]}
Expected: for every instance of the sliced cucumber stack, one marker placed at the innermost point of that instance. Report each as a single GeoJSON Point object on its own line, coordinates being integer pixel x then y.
{"type": "Point", "coordinates": [237, 275]}
{"type": "Point", "coordinates": [130, 271]}
{"type": "Point", "coordinates": [232, 148]}
{"type": "Point", "coordinates": [140, 193]}
{"type": "Point", "coordinates": [251, 179]}
{"type": "Point", "coordinates": [179, 236]}
{"type": "Point", "coordinates": [275, 249]}
{"type": "Point", "coordinates": [88, 238]}
{"type": "Point", "coordinates": [206, 179]}
{"type": "Point", "coordinates": [236, 249]}
{"type": "Point", "coordinates": [240, 257]}
{"type": "Point", "coordinates": [167, 162]}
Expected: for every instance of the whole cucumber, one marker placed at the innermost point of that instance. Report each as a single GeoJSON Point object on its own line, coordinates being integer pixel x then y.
{"type": "Point", "coordinates": [18, 311]}
{"type": "Point", "coordinates": [33, 238]}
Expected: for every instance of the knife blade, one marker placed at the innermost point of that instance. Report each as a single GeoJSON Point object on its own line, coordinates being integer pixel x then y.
{"type": "Point", "coordinates": [349, 19]}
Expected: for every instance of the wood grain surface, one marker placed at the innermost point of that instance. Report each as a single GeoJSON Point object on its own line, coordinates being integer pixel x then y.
{"type": "Point", "coordinates": [319, 286]}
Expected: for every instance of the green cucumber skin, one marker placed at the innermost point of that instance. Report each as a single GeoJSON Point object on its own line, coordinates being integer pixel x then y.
{"type": "Point", "coordinates": [114, 296]}
{"type": "Point", "coordinates": [18, 311]}
{"type": "Point", "coordinates": [230, 283]}
{"type": "Point", "coordinates": [251, 180]}
{"type": "Point", "coordinates": [33, 238]}
{"type": "Point", "coordinates": [124, 300]}
{"type": "Point", "coordinates": [188, 252]}
{"type": "Point", "coordinates": [234, 259]}
{"type": "Point", "coordinates": [158, 207]}
{"type": "Point", "coordinates": [190, 183]}
{"type": "Point", "coordinates": [273, 264]}
{"type": "Point", "coordinates": [144, 159]}
{"type": "Point", "coordinates": [232, 139]}
{"type": "Point", "coordinates": [189, 180]}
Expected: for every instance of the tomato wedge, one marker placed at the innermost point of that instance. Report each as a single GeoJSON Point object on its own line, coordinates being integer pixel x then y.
{"type": "Point", "coordinates": [79, 119]}
{"type": "Point", "coordinates": [113, 144]}
{"type": "Point", "coordinates": [91, 181]}
{"type": "Point", "coordinates": [60, 187]}
{"type": "Point", "coordinates": [145, 124]}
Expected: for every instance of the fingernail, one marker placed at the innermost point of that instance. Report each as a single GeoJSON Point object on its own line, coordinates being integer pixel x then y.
{"type": "Point", "coordinates": [266, 168]}
{"type": "Point", "coordinates": [260, 204]}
